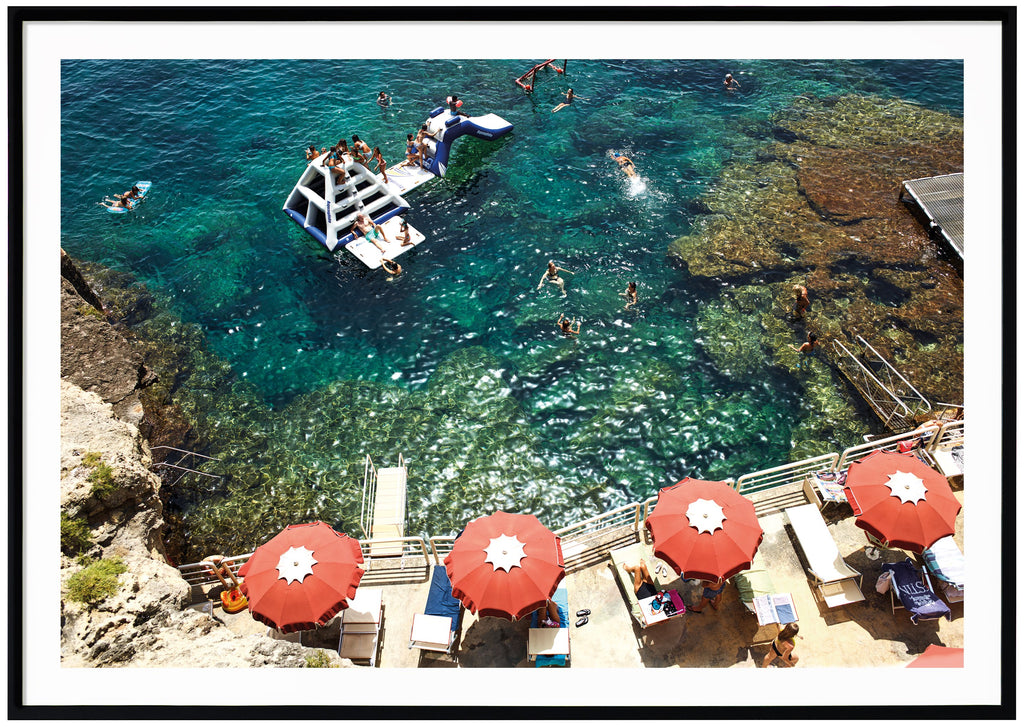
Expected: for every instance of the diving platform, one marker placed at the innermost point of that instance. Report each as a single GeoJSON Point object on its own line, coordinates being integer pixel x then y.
{"type": "Point", "coordinates": [383, 510]}
{"type": "Point", "coordinates": [941, 199]}
{"type": "Point", "coordinates": [326, 204]}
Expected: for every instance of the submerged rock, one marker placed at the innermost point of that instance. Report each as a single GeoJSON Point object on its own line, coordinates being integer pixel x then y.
{"type": "Point", "coordinates": [819, 208]}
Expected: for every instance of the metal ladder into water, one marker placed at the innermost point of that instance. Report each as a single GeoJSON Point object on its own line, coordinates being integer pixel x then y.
{"type": "Point", "coordinates": [887, 392]}
{"type": "Point", "coordinates": [383, 511]}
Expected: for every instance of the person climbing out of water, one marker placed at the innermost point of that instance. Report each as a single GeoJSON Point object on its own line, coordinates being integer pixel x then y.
{"type": "Point", "coordinates": [629, 295]}
{"type": "Point", "coordinates": [382, 166]}
{"type": "Point", "coordinates": [565, 325]}
{"type": "Point", "coordinates": [730, 83]}
{"type": "Point", "coordinates": [383, 100]}
{"type": "Point", "coordinates": [624, 162]}
{"type": "Point", "coordinates": [551, 275]}
{"type": "Point", "coordinates": [360, 149]}
{"type": "Point", "coordinates": [371, 231]}
{"type": "Point", "coordinates": [808, 345]}
{"type": "Point", "coordinates": [391, 267]}
{"type": "Point", "coordinates": [802, 302]}
{"type": "Point", "coordinates": [312, 153]}
{"type": "Point", "coordinates": [569, 98]}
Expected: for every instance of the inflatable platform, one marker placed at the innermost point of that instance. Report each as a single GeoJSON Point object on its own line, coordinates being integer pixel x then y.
{"type": "Point", "coordinates": [327, 211]}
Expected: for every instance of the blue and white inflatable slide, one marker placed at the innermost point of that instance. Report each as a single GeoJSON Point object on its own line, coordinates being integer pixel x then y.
{"type": "Point", "coordinates": [327, 210]}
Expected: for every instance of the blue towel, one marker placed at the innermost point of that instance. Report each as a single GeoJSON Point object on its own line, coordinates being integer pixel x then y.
{"type": "Point", "coordinates": [918, 600]}
{"type": "Point", "coordinates": [561, 599]}
{"type": "Point", "coordinates": [440, 601]}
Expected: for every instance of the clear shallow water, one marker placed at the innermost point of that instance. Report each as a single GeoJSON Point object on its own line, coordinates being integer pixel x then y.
{"type": "Point", "coordinates": [533, 421]}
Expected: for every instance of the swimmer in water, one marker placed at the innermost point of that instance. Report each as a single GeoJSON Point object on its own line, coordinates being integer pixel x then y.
{"type": "Point", "coordinates": [802, 302]}
{"type": "Point", "coordinates": [624, 162]}
{"type": "Point", "coordinates": [569, 98]}
{"type": "Point", "coordinates": [565, 326]}
{"type": "Point", "coordinates": [629, 295]}
{"type": "Point", "coordinates": [808, 345]}
{"type": "Point", "coordinates": [383, 100]}
{"type": "Point", "coordinates": [730, 83]}
{"type": "Point", "coordinates": [391, 267]}
{"type": "Point", "coordinates": [551, 275]}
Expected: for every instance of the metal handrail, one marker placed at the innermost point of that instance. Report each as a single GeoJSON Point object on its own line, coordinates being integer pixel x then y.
{"type": "Point", "coordinates": [867, 372]}
{"type": "Point", "coordinates": [786, 474]}
{"type": "Point", "coordinates": [892, 369]}
{"type": "Point", "coordinates": [369, 490]}
{"type": "Point", "coordinates": [585, 532]}
{"type": "Point", "coordinates": [888, 444]}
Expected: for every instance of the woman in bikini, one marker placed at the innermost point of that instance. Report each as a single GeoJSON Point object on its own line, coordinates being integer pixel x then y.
{"type": "Point", "coordinates": [783, 646]}
{"type": "Point", "coordinates": [412, 151]}
{"type": "Point", "coordinates": [360, 149]}
{"type": "Point", "coordinates": [565, 325]}
{"type": "Point", "coordinates": [569, 98]}
{"type": "Point", "coordinates": [643, 584]}
{"type": "Point", "coordinates": [802, 302]}
{"type": "Point", "coordinates": [382, 166]}
{"type": "Point", "coordinates": [404, 236]}
{"type": "Point", "coordinates": [808, 345]}
{"type": "Point", "coordinates": [551, 275]}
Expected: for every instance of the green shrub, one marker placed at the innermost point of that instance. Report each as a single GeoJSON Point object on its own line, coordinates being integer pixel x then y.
{"type": "Point", "coordinates": [74, 534]}
{"type": "Point", "coordinates": [320, 660]}
{"type": "Point", "coordinates": [102, 475]}
{"type": "Point", "coordinates": [96, 581]}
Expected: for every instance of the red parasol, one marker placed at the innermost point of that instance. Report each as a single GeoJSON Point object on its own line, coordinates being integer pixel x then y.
{"type": "Point", "coordinates": [301, 577]}
{"type": "Point", "coordinates": [505, 565]}
{"type": "Point", "coordinates": [900, 500]}
{"type": "Point", "coordinates": [704, 529]}
{"type": "Point", "coordinates": [939, 657]}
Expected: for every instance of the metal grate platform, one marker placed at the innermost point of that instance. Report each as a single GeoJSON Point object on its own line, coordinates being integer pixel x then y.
{"type": "Point", "coordinates": [942, 201]}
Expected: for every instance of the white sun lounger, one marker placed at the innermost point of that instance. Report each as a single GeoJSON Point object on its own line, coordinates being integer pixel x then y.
{"type": "Point", "coordinates": [838, 583]}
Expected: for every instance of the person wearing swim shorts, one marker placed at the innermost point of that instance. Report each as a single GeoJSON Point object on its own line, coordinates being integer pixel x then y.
{"type": "Point", "coordinates": [712, 594]}
{"type": "Point", "coordinates": [551, 275]}
{"type": "Point", "coordinates": [783, 645]}
{"type": "Point", "coordinates": [643, 584]}
{"type": "Point", "coordinates": [371, 231]}
{"type": "Point", "coordinates": [624, 162]}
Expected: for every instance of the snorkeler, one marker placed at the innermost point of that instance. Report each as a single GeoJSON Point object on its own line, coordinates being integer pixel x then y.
{"type": "Point", "coordinates": [551, 275]}
{"type": "Point", "coordinates": [630, 295]}
{"type": "Point", "coordinates": [565, 326]}
{"type": "Point", "coordinates": [624, 162]}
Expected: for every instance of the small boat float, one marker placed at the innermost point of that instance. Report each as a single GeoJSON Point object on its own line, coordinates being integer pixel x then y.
{"type": "Point", "coordinates": [328, 211]}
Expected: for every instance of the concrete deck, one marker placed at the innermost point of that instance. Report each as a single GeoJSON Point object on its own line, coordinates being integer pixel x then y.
{"type": "Point", "coordinates": [866, 634]}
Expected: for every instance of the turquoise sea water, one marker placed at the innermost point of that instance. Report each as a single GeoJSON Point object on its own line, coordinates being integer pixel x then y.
{"type": "Point", "coordinates": [470, 380]}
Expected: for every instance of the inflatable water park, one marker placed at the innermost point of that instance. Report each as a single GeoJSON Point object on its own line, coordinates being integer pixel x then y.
{"type": "Point", "coordinates": [328, 209]}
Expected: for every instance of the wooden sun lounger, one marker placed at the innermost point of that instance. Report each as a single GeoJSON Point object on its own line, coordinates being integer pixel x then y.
{"type": "Point", "coordinates": [838, 583]}
{"type": "Point", "coordinates": [360, 626]}
{"type": "Point", "coordinates": [631, 555]}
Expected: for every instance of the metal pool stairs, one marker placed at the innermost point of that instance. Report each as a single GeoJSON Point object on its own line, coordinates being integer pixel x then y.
{"type": "Point", "coordinates": [383, 510]}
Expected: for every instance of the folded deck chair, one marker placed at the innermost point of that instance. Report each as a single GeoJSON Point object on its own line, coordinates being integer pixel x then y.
{"type": "Point", "coordinates": [631, 555]}
{"type": "Point", "coordinates": [914, 594]}
{"type": "Point", "coordinates": [360, 626]}
{"type": "Point", "coordinates": [436, 627]}
{"type": "Point", "coordinates": [838, 583]}
{"type": "Point", "coordinates": [561, 599]}
{"type": "Point", "coordinates": [946, 563]}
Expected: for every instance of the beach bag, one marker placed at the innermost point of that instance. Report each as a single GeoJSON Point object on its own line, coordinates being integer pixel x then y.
{"type": "Point", "coordinates": [883, 582]}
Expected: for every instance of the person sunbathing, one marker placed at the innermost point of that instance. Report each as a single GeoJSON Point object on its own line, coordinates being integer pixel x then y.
{"type": "Point", "coordinates": [643, 584]}
{"type": "Point", "coordinates": [550, 618]}
{"type": "Point", "coordinates": [371, 231]}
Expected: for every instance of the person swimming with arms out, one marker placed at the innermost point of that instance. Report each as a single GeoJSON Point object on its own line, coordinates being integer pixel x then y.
{"type": "Point", "coordinates": [565, 326]}
{"type": "Point", "coordinates": [551, 275]}
{"type": "Point", "coordinates": [123, 201]}
{"type": "Point", "coordinates": [569, 98]}
{"type": "Point", "coordinates": [624, 162]}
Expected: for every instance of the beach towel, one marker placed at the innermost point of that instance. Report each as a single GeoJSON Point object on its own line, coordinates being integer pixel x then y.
{"type": "Point", "coordinates": [921, 603]}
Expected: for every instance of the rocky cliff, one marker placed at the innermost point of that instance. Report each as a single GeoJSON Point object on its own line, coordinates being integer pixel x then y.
{"type": "Point", "coordinates": [111, 512]}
